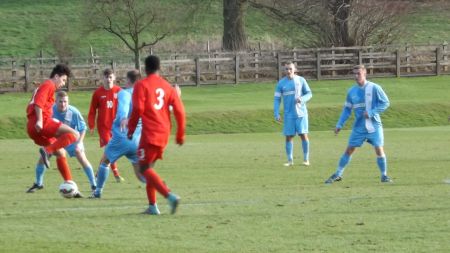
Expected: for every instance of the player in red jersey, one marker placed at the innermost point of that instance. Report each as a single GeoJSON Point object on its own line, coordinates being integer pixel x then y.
{"type": "Point", "coordinates": [152, 97]}
{"type": "Point", "coordinates": [104, 101]}
{"type": "Point", "coordinates": [46, 131]}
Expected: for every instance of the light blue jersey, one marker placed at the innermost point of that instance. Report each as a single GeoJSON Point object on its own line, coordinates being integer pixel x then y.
{"type": "Point", "coordinates": [73, 118]}
{"type": "Point", "coordinates": [120, 145]}
{"type": "Point", "coordinates": [365, 129]}
{"type": "Point", "coordinates": [356, 100]}
{"type": "Point", "coordinates": [295, 114]}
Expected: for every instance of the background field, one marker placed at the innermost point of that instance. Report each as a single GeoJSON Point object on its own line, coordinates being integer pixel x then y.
{"type": "Point", "coordinates": [25, 26]}
{"type": "Point", "coordinates": [236, 195]}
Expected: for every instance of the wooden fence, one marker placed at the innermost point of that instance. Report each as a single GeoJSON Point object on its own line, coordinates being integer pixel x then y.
{"type": "Point", "coordinates": [235, 68]}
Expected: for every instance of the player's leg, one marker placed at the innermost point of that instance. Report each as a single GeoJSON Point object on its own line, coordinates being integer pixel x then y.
{"type": "Point", "coordinates": [65, 135]}
{"type": "Point", "coordinates": [116, 173]}
{"type": "Point", "coordinates": [289, 147]}
{"type": "Point", "coordinates": [87, 167]}
{"type": "Point", "coordinates": [62, 165]}
{"type": "Point", "coordinates": [355, 140]}
{"type": "Point", "coordinates": [105, 138]}
{"type": "Point", "coordinates": [305, 147]}
{"type": "Point", "coordinates": [301, 128]}
{"type": "Point", "coordinates": [39, 182]}
{"type": "Point", "coordinates": [102, 176]}
{"type": "Point", "coordinates": [377, 140]}
{"type": "Point", "coordinates": [148, 154]}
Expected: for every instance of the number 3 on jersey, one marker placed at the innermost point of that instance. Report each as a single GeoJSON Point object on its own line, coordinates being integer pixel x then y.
{"type": "Point", "coordinates": [160, 97]}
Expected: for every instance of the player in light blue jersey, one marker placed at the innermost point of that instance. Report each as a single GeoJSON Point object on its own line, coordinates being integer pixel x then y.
{"type": "Point", "coordinates": [368, 101]}
{"type": "Point", "coordinates": [119, 145]}
{"type": "Point", "coordinates": [295, 93]}
{"type": "Point", "coordinates": [72, 117]}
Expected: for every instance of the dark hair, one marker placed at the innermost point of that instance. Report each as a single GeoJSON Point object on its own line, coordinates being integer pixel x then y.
{"type": "Point", "coordinates": [108, 72]}
{"type": "Point", "coordinates": [60, 70]}
{"type": "Point", "coordinates": [133, 75]}
{"type": "Point", "coordinates": [152, 64]}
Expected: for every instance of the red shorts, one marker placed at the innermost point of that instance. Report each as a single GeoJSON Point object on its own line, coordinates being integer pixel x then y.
{"type": "Point", "coordinates": [105, 136]}
{"type": "Point", "coordinates": [47, 135]}
{"type": "Point", "coordinates": [149, 153]}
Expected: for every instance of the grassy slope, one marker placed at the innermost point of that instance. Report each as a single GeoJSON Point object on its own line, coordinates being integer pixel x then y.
{"type": "Point", "coordinates": [24, 25]}
{"type": "Point", "coordinates": [248, 107]}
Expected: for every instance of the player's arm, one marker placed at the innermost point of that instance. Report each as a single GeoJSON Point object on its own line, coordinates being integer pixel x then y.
{"type": "Point", "coordinates": [306, 92]}
{"type": "Point", "coordinates": [180, 117]}
{"type": "Point", "coordinates": [123, 109]}
{"type": "Point", "coordinates": [138, 100]}
{"type": "Point", "coordinates": [39, 122]}
{"type": "Point", "coordinates": [39, 100]}
{"type": "Point", "coordinates": [80, 125]}
{"type": "Point", "coordinates": [276, 103]}
{"type": "Point", "coordinates": [346, 112]}
{"type": "Point", "coordinates": [382, 102]}
{"type": "Point", "coordinates": [92, 112]}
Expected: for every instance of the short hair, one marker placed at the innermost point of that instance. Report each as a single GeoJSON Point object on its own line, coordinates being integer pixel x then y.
{"type": "Point", "coordinates": [108, 72]}
{"type": "Point", "coordinates": [152, 64]}
{"type": "Point", "coordinates": [60, 70]}
{"type": "Point", "coordinates": [358, 67]}
{"type": "Point", "coordinates": [133, 75]}
{"type": "Point", "coordinates": [61, 94]}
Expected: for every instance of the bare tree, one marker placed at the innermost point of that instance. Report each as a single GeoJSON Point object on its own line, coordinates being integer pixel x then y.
{"type": "Point", "coordinates": [234, 37]}
{"type": "Point", "coordinates": [341, 22]}
{"type": "Point", "coordinates": [138, 23]}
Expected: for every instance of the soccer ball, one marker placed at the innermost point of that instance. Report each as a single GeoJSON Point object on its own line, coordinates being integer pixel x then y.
{"type": "Point", "coordinates": [68, 189]}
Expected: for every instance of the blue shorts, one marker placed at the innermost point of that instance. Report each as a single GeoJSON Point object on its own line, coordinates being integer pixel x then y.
{"type": "Point", "coordinates": [71, 149]}
{"type": "Point", "coordinates": [376, 138]}
{"type": "Point", "coordinates": [293, 126]}
{"type": "Point", "coordinates": [123, 147]}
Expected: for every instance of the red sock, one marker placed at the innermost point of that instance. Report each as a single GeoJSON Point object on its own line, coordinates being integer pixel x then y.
{"type": "Point", "coordinates": [151, 194]}
{"type": "Point", "coordinates": [62, 141]}
{"type": "Point", "coordinates": [155, 181]}
{"type": "Point", "coordinates": [114, 169]}
{"type": "Point", "coordinates": [63, 168]}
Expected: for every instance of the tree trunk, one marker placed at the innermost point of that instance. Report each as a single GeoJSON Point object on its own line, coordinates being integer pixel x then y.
{"type": "Point", "coordinates": [137, 59]}
{"type": "Point", "coordinates": [341, 10]}
{"type": "Point", "coordinates": [234, 37]}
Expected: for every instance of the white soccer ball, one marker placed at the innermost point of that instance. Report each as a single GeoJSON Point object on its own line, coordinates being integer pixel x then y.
{"type": "Point", "coordinates": [68, 189]}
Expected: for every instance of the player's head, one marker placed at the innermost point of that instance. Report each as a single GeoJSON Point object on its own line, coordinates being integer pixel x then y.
{"type": "Point", "coordinates": [59, 75]}
{"type": "Point", "coordinates": [360, 73]}
{"type": "Point", "coordinates": [152, 64]}
{"type": "Point", "coordinates": [108, 78]}
{"type": "Point", "coordinates": [132, 77]}
{"type": "Point", "coordinates": [290, 69]}
{"type": "Point", "coordinates": [62, 101]}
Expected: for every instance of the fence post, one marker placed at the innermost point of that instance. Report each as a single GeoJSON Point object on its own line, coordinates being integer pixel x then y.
{"type": "Point", "coordinates": [407, 49]}
{"type": "Point", "coordinates": [333, 61]}
{"type": "Point", "coordinates": [360, 60]}
{"type": "Point", "coordinates": [397, 65]}
{"type": "Point", "coordinates": [256, 65]}
{"type": "Point", "coordinates": [197, 71]}
{"type": "Point", "coordinates": [14, 71]}
{"type": "Point", "coordinates": [444, 49]}
{"type": "Point", "coordinates": [113, 65]}
{"type": "Point", "coordinates": [280, 71]}
{"type": "Point", "coordinates": [27, 75]}
{"type": "Point", "coordinates": [236, 69]}
{"type": "Point", "coordinates": [371, 60]}
{"type": "Point", "coordinates": [438, 60]}
{"type": "Point", "coordinates": [318, 70]}
{"type": "Point", "coordinates": [217, 67]}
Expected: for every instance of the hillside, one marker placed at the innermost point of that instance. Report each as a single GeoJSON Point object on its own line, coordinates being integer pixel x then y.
{"type": "Point", "coordinates": [26, 25]}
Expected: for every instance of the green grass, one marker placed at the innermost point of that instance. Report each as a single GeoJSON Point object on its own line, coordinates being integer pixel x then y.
{"type": "Point", "coordinates": [26, 24]}
{"type": "Point", "coordinates": [247, 108]}
{"type": "Point", "coordinates": [237, 197]}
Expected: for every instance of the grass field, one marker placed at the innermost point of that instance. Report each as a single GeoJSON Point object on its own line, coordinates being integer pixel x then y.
{"type": "Point", "coordinates": [236, 195]}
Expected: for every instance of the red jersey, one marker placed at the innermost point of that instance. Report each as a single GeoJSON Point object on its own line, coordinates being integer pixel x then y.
{"type": "Point", "coordinates": [152, 97]}
{"type": "Point", "coordinates": [105, 102]}
{"type": "Point", "coordinates": [43, 97]}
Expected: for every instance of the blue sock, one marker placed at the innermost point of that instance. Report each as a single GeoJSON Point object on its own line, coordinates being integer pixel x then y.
{"type": "Point", "coordinates": [40, 170]}
{"type": "Point", "coordinates": [102, 176]}
{"type": "Point", "coordinates": [305, 146]}
{"type": "Point", "coordinates": [382, 165]}
{"type": "Point", "coordinates": [90, 175]}
{"type": "Point", "coordinates": [345, 159]}
{"type": "Point", "coordinates": [289, 150]}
